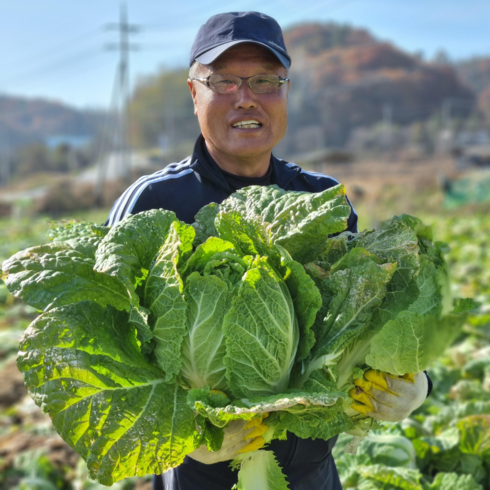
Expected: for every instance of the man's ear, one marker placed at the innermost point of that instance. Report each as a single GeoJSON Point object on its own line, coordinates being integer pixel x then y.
{"type": "Point", "coordinates": [192, 88]}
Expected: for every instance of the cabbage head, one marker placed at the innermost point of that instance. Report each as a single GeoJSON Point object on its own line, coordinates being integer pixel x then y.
{"type": "Point", "coordinates": [154, 334]}
{"type": "Point", "coordinates": [141, 322]}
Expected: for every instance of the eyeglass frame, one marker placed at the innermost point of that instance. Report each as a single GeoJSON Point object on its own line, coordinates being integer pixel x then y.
{"type": "Point", "coordinates": [205, 81]}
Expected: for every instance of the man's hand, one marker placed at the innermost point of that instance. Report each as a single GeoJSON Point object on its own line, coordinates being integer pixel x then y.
{"type": "Point", "coordinates": [240, 437]}
{"type": "Point", "coordinates": [390, 398]}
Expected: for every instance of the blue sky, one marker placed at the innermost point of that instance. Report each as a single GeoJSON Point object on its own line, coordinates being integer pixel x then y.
{"type": "Point", "coordinates": [55, 49]}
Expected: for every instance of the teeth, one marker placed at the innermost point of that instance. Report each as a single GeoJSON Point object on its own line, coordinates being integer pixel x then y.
{"type": "Point", "coordinates": [247, 124]}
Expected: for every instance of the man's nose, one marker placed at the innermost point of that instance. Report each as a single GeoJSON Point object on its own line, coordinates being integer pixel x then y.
{"type": "Point", "coordinates": [245, 98]}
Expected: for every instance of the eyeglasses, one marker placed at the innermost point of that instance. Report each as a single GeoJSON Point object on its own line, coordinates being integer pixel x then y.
{"type": "Point", "coordinates": [259, 84]}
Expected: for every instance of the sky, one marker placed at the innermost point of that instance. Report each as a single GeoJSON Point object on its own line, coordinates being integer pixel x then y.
{"type": "Point", "coordinates": [58, 49]}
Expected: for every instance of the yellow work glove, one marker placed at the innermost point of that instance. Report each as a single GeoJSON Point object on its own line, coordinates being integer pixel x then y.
{"type": "Point", "coordinates": [240, 437]}
{"type": "Point", "coordinates": [389, 398]}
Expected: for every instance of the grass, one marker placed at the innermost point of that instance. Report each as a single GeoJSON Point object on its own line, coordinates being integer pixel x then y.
{"type": "Point", "coordinates": [27, 231]}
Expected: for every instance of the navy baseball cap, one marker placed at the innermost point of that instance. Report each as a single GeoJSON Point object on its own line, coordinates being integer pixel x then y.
{"type": "Point", "coordinates": [222, 31]}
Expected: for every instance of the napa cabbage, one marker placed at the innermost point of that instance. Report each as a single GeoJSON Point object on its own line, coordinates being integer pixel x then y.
{"type": "Point", "coordinates": [263, 298]}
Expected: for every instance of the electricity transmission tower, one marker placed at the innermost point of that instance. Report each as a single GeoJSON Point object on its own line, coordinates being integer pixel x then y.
{"type": "Point", "coordinates": [120, 102]}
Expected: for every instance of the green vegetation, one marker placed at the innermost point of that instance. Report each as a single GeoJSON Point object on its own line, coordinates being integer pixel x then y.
{"type": "Point", "coordinates": [160, 104]}
{"type": "Point", "coordinates": [450, 434]}
{"type": "Point", "coordinates": [447, 440]}
{"type": "Point", "coordinates": [250, 244]}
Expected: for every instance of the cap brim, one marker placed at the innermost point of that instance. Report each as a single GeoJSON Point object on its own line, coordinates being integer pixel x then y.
{"type": "Point", "coordinates": [211, 55]}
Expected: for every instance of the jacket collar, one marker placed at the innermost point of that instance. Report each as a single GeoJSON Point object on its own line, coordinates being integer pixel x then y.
{"type": "Point", "coordinates": [282, 172]}
{"type": "Point", "coordinates": [202, 163]}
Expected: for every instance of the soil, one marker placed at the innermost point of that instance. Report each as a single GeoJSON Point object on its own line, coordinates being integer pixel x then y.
{"type": "Point", "coordinates": [12, 388]}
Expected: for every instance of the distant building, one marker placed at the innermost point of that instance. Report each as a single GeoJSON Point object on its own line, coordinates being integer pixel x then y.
{"type": "Point", "coordinates": [473, 157]}
{"type": "Point", "coordinates": [468, 138]}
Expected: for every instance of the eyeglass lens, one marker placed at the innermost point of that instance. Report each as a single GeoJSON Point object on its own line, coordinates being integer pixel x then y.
{"type": "Point", "coordinates": [260, 84]}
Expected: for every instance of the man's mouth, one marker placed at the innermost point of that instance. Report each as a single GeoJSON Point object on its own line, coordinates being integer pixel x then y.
{"type": "Point", "coordinates": [250, 124]}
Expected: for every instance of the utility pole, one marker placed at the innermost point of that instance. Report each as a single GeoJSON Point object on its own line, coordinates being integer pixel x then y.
{"type": "Point", "coordinates": [124, 47]}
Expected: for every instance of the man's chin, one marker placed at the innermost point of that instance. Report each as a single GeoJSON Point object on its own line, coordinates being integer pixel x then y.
{"type": "Point", "coordinates": [248, 151]}
{"type": "Point", "coordinates": [247, 147]}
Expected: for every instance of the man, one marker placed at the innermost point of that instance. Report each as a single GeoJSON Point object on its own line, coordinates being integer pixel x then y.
{"type": "Point", "coordinates": [239, 84]}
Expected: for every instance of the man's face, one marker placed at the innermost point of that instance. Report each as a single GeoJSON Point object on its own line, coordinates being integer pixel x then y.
{"type": "Point", "coordinates": [218, 114]}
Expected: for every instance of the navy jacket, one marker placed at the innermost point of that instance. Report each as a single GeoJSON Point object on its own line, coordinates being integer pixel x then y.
{"type": "Point", "coordinates": [185, 188]}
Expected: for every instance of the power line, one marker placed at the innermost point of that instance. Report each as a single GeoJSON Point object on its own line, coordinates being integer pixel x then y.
{"type": "Point", "coordinates": [66, 45]}
{"type": "Point", "coordinates": [77, 57]}
{"type": "Point", "coordinates": [63, 63]}
{"type": "Point", "coordinates": [184, 15]}
{"type": "Point", "coordinates": [4, 115]}
{"type": "Point", "coordinates": [316, 5]}
{"type": "Point", "coordinates": [169, 24]}
{"type": "Point", "coordinates": [124, 47]}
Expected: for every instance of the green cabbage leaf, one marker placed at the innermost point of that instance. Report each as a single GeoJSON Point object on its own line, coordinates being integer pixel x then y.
{"type": "Point", "coordinates": [155, 334]}
{"type": "Point", "coordinates": [82, 365]}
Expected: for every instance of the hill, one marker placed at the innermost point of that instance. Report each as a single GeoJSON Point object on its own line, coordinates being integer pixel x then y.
{"type": "Point", "coordinates": [313, 39]}
{"type": "Point", "coordinates": [475, 72]}
{"type": "Point", "coordinates": [24, 120]}
{"type": "Point", "coordinates": [344, 78]}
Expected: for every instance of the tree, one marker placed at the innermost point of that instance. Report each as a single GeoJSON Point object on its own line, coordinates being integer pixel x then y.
{"type": "Point", "coordinates": [33, 158]}
{"type": "Point", "coordinates": [62, 158]}
{"type": "Point", "coordinates": [162, 106]}
{"type": "Point", "coordinates": [441, 58]}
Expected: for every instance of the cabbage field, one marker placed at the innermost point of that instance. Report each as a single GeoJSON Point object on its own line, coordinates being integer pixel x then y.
{"type": "Point", "coordinates": [445, 444]}
{"type": "Point", "coordinates": [449, 435]}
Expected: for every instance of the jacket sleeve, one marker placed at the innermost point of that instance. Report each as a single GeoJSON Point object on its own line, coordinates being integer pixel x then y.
{"type": "Point", "coordinates": [132, 201]}
{"type": "Point", "coordinates": [429, 381]}
{"type": "Point", "coordinates": [352, 220]}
